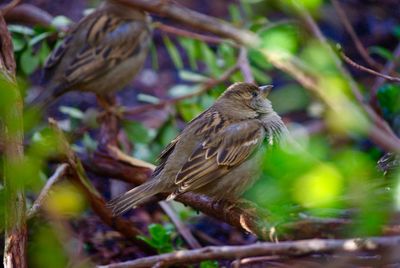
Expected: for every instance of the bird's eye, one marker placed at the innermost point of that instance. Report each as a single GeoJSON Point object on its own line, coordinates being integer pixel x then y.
{"type": "Point", "coordinates": [254, 94]}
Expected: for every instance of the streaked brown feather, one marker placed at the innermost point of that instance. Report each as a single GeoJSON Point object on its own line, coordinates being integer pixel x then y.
{"type": "Point", "coordinates": [220, 151]}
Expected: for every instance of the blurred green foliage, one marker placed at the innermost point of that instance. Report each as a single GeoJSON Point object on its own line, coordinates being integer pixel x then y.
{"type": "Point", "coordinates": [159, 238]}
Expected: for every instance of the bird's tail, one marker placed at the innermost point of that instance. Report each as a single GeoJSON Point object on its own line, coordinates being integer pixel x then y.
{"type": "Point", "coordinates": [132, 198]}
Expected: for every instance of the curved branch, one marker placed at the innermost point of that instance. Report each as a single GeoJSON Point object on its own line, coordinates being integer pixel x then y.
{"type": "Point", "coordinates": [289, 248]}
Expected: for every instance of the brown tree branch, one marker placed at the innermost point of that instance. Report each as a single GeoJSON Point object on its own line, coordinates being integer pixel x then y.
{"type": "Point", "coordinates": [194, 19]}
{"type": "Point", "coordinates": [181, 32]}
{"type": "Point", "coordinates": [289, 248]}
{"type": "Point", "coordinates": [78, 175]}
{"type": "Point", "coordinates": [244, 66]}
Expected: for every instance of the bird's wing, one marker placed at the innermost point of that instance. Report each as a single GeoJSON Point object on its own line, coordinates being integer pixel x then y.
{"type": "Point", "coordinates": [219, 152]}
{"type": "Point", "coordinates": [109, 40]}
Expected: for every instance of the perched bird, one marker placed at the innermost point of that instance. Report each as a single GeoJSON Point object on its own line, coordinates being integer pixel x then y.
{"type": "Point", "coordinates": [217, 154]}
{"type": "Point", "coordinates": [102, 53]}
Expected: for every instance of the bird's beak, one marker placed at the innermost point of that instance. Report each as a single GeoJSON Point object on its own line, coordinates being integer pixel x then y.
{"type": "Point", "coordinates": [265, 90]}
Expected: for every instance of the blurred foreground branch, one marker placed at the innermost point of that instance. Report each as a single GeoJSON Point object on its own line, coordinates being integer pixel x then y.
{"type": "Point", "coordinates": [289, 248]}
{"type": "Point", "coordinates": [13, 132]}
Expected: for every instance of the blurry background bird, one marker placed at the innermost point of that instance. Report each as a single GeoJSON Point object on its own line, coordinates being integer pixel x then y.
{"type": "Point", "coordinates": [217, 154]}
{"type": "Point", "coordinates": [101, 54]}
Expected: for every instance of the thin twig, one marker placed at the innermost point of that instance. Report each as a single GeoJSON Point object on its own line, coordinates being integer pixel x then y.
{"type": "Point", "coordinates": [244, 65]}
{"type": "Point", "coordinates": [289, 248]}
{"type": "Point", "coordinates": [204, 87]}
{"type": "Point", "coordinates": [366, 69]}
{"type": "Point", "coordinates": [181, 32]}
{"type": "Point", "coordinates": [58, 174]}
{"type": "Point", "coordinates": [389, 68]}
{"type": "Point", "coordinates": [183, 230]}
{"type": "Point", "coordinates": [349, 28]}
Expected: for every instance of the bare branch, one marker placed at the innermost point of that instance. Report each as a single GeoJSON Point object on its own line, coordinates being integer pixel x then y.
{"type": "Point", "coordinates": [366, 69]}
{"type": "Point", "coordinates": [244, 66]}
{"type": "Point", "coordinates": [349, 28]}
{"type": "Point", "coordinates": [194, 19]}
{"type": "Point", "coordinates": [58, 174]}
{"type": "Point", "coordinates": [389, 67]}
{"type": "Point", "coordinates": [189, 34]}
{"type": "Point", "coordinates": [289, 248]}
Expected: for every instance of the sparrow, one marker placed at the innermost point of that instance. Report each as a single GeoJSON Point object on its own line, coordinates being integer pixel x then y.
{"type": "Point", "coordinates": [101, 54]}
{"type": "Point", "coordinates": [217, 154]}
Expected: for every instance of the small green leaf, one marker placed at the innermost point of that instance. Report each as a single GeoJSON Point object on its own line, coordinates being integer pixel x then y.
{"type": "Point", "coordinates": [396, 31]}
{"type": "Point", "coordinates": [190, 48]}
{"type": "Point", "coordinates": [38, 38]}
{"type": "Point", "coordinates": [261, 76]}
{"type": "Point", "coordinates": [234, 13]}
{"type": "Point", "coordinates": [137, 132]}
{"type": "Point", "coordinates": [44, 53]}
{"type": "Point", "coordinates": [209, 59]}
{"type": "Point", "coordinates": [18, 42]}
{"type": "Point", "coordinates": [72, 112]}
{"type": "Point", "coordinates": [209, 264]}
{"type": "Point", "coordinates": [173, 52]}
{"type": "Point", "coordinates": [29, 62]}
{"type": "Point", "coordinates": [382, 52]}
{"type": "Point", "coordinates": [192, 76]}
{"type": "Point", "coordinates": [154, 56]}
{"type": "Point", "coordinates": [148, 98]}
{"type": "Point", "coordinates": [21, 29]}
{"type": "Point", "coordinates": [389, 99]}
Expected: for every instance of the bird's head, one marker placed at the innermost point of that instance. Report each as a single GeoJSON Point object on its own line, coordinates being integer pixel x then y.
{"type": "Point", "coordinates": [247, 96]}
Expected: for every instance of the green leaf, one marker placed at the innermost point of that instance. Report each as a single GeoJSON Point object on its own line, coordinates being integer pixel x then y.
{"type": "Point", "coordinates": [72, 112]}
{"type": "Point", "coordinates": [21, 29]}
{"type": "Point", "coordinates": [154, 56]}
{"type": "Point", "coordinates": [382, 52]}
{"type": "Point", "coordinates": [389, 99]}
{"type": "Point", "coordinates": [209, 264]}
{"type": "Point", "coordinates": [234, 13]}
{"type": "Point", "coordinates": [192, 76]}
{"type": "Point", "coordinates": [181, 90]}
{"type": "Point", "coordinates": [148, 98]}
{"type": "Point", "coordinates": [228, 54]}
{"type": "Point", "coordinates": [137, 132]}
{"type": "Point", "coordinates": [38, 38]}
{"type": "Point", "coordinates": [190, 48]}
{"type": "Point", "coordinates": [18, 42]}
{"type": "Point", "coordinates": [281, 39]}
{"type": "Point", "coordinates": [261, 76]}
{"type": "Point", "coordinates": [160, 238]}
{"type": "Point", "coordinates": [173, 52]}
{"type": "Point", "coordinates": [396, 31]}
{"type": "Point", "coordinates": [28, 61]}
{"type": "Point", "coordinates": [209, 59]}
{"type": "Point", "coordinates": [44, 53]}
